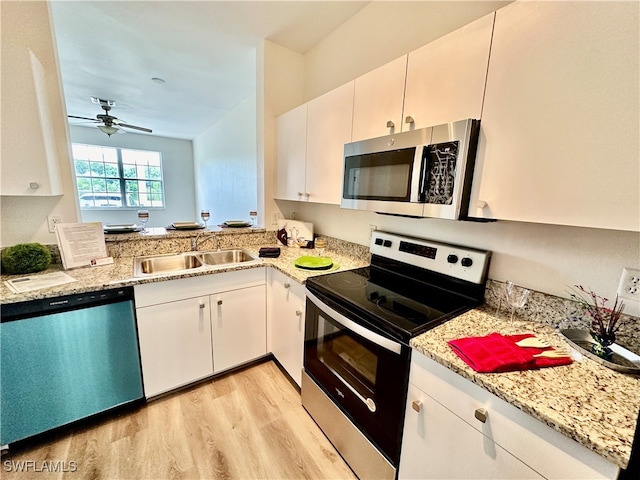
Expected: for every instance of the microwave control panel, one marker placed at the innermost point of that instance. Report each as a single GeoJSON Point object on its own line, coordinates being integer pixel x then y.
{"type": "Point", "coordinates": [460, 262]}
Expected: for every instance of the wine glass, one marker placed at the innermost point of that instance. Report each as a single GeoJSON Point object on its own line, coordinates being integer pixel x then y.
{"type": "Point", "coordinates": [143, 216]}
{"type": "Point", "coordinates": [205, 216]}
{"type": "Point", "coordinates": [516, 297]}
{"type": "Point", "coordinates": [320, 243]}
{"type": "Point", "coordinates": [254, 216]}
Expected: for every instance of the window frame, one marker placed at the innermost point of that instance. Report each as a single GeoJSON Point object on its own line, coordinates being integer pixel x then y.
{"type": "Point", "coordinates": [122, 180]}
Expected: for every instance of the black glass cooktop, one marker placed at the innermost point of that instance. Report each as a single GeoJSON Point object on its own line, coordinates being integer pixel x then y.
{"type": "Point", "coordinates": [406, 306]}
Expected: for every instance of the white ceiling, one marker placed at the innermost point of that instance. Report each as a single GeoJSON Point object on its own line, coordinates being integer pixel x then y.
{"type": "Point", "coordinates": [204, 50]}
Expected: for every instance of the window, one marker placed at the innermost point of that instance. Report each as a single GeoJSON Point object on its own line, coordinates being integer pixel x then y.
{"type": "Point", "coordinates": [109, 177]}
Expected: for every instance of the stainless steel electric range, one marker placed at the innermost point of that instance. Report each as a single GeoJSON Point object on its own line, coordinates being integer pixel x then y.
{"type": "Point", "coordinates": [358, 325]}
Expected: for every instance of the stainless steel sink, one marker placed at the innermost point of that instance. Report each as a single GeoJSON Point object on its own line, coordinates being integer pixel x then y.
{"type": "Point", "coordinates": [189, 261]}
{"type": "Point", "coordinates": [166, 263]}
{"type": "Point", "coordinates": [224, 257]}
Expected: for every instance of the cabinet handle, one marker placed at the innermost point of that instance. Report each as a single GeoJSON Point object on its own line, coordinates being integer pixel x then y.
{"type": "Point", "coordinates": [287, 285]}
{"type": "Point", "coordinates": [409, 119]}
{"type": "Point", "coordinates": [299, 313]}
{"type": "Point", "coordinates": [481, 204]}
{"type": "Point", "coordinates": [417, 405]}
{"type": "Point", "coordinates": [300, 194]}
{"type": "Point", "coordinates": [34, 185]}
{"type": "Point", "coordinates": [202, 305]}
{"type": "Point", "coordinates": [390, 124]}
{"type": "Point", "coordinates": [481, 414]}
{"type": "Point", "coordinates": [219, 302]}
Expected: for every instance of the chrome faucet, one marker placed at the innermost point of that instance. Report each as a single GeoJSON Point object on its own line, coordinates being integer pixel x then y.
{"type": "Point", "coordinates": [203, 237]}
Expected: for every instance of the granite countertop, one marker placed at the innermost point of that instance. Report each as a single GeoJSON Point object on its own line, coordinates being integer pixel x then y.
{"type": "Point", "coordinates": [585, 401]}
{"type": "Point", "coordinates": [120, 273]}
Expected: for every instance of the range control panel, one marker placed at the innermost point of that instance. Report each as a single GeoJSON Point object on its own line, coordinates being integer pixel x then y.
{"type": "Point", "coordinates": [465, 263]}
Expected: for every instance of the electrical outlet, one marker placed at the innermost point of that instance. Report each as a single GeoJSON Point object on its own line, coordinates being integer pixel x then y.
{"type": "Point", "coordinates": [372, 228]}
{"type": "Point", "coordinates": [53, 220]}
{"type": "Point", "coordinates": [274, 218]}
{"type": "Point", "coordinates": [629, 287]}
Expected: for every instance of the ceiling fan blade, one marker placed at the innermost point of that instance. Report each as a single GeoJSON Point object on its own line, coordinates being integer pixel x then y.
{"type": "Point", "coordinates": [142, 129]}
{"type": "Point", "coordinates": [83, 118]}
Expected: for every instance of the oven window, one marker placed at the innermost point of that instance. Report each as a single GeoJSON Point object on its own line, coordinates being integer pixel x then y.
{"type": "Point", "coordinates": [379, 176]}
{"type": "Point", "coordinates": [347, 357]}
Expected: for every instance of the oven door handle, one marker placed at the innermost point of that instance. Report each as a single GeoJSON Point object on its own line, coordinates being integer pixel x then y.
{"type": "Point", "coordinates": [373, 337]}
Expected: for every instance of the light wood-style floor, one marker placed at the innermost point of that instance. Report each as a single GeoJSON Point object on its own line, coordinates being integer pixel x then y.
{"type": "Point", "coordinates": [246, 425]}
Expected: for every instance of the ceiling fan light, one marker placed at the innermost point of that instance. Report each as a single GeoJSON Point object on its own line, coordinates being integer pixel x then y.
{"type": "Point", "coordinates": [108, 129]}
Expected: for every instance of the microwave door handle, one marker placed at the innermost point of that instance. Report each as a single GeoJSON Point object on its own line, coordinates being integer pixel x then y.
{"type": "Point", "coordinates": [424, 175]}
{"type": "Point", "coordinates": [373, 337]}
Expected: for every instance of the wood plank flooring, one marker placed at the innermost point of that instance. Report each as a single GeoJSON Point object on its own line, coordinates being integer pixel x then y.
{"type": "Point", "coordinates": [246, 425]}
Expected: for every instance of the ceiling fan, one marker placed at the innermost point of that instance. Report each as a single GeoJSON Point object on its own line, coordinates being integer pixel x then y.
{"type": "Point", "coordinates": [110, 124]}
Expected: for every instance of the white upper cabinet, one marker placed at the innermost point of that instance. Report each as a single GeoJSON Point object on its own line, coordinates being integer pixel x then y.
{"type": "Point", "coordinates": [29, 146]}
{"type": "Point", "coordinates": [378, 99]}
{"type": "Point", "coordinates": [310, 147]}
{"type": "Point", "coordinates": [291, 153]}
{"type": "Point", "coordinates": [329, 120]}
{"type": "Point", "coordinates": [559, 142]}
{"type": "Point", "coordinates": [446, 78]}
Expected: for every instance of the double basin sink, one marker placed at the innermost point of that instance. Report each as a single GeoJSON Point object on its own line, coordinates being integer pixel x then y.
{"type": "Point", "coordinates": [190, 261]}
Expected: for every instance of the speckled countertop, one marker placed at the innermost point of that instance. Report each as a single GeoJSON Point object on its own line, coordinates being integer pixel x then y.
{"type": "Point", "coordinates": [588, 402]}
{"type": "Point", "coordinates": [120, 273]}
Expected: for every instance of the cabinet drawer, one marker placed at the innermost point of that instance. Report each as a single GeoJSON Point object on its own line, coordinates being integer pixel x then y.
{"type": "Point", "coordinates": [545, 450]}
{"type": "Point", "coordinates": [172, 290]}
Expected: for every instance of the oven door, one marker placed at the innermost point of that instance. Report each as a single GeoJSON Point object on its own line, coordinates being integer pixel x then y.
{"type": "Point", "coordinates": [364, 372]}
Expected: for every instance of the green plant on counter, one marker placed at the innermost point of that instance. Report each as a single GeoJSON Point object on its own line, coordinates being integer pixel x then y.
{"type": "Point", "coordinates": [25, 258]}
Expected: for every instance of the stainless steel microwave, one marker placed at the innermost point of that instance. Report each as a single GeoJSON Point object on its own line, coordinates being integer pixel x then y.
{"type": "Point", "coordinates": [419, 173]}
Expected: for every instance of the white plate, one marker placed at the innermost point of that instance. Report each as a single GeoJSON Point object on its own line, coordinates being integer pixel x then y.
{"type": "Point", "coordinates": [186, 225]}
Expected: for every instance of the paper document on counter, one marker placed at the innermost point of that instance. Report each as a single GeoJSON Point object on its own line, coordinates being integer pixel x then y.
{"type": "Point", "coordinates": [81, 244]}
{"type": "Point", "coordinates": [37, 282]}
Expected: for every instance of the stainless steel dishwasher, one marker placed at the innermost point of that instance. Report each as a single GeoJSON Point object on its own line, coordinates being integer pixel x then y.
{"type": "Point", "coordinates": [65, 359]}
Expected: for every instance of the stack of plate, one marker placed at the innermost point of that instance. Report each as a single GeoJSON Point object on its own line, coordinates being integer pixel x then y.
{"type": "Point", "coordinates": [313, 263]}
{"type": "Point", "coordinates": [236, 223]}
{"type": "Point", "coordinates": [186, 225]}
{"type": "Point", "coordinates": [120, 227]}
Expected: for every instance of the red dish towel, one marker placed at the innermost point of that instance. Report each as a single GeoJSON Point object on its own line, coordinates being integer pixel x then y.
{"type": "Point", "coordinates": [499, 353]}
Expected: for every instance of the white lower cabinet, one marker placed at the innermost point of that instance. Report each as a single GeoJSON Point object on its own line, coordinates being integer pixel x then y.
{"type": "Point", "coordinates": [175, 344]}
{"type": "Point", "coordinates": [445, 439]}
{"type": "Point", "coordinates": [439, 444]}
{"type": "Point", "coordinates": [239, 326]}
{"type": "Point", "coordinates": [191, 328]}
{"type": "Point", "coordinates": [285, 322]}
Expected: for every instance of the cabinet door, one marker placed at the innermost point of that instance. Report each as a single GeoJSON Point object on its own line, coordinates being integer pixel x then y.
{"type": "Point", "coordinates": [291, 153]}
{"type": "Point", "coordinates": [446, 78]}
{"type": "Point", "coordinates": [328, 129]}
{"type": "Point", "coordinates": [175, 344]}
{"type": "Point", "coordinates": [438, 444]}
{"type": "Point", "coordinates": [560, 137]}
{"type": "Point", "coordinates": [378, 98]}
{"type": "Point", "coordinates": [285, 323]}
{"type": "Point", "coordinates": [29, 144]}
{"type": "Point", "coordinates": [239, 326]}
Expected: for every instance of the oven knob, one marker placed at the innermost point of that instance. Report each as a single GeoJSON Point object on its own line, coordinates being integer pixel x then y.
{"type": "Point", "coordinates": [452, 258]}
{"type": "Point", "coordinates": [466, 262]}
{"type": "Point", "coordinates": [378, 241]}
{"type": "Point", "coordinates": [387, 243]}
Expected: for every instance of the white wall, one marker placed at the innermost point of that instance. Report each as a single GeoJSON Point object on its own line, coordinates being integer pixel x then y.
{"type": "Point", "coordinates": [177, 167]}
{"type": "Point", "coordinates": [546, 258]}
{"type": "Point", "coordinates": [24, 219]}
{"type": "Point", "coordinates": [226, 167]}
